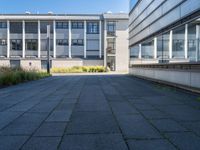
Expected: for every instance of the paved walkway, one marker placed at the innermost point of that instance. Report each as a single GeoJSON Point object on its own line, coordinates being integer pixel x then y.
{"type": "Point", "coordinates": [113, 112]}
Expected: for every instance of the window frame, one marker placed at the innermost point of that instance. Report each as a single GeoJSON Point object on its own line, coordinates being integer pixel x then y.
{"type": "Point", "coordinates": [16, 46]}
{"type": "Point", "coordinates": [77, 25]}
{"type": "Point", "coordinates": [3, 42]}
{"type": "Point", "coordinates": [30, 41]}
{"type": "Point", "coordinates": [3, 25]}
{"type": "Point", "coordinates": [113, 25]}
{"type": "Point", "coordinates": [92, 27]}
{"type": "Point", "coordinates": [62, 25]}
{"type": "Point", "coordinates": [62, 42]}
{"type": "Point", "coordinates": [79, 42]}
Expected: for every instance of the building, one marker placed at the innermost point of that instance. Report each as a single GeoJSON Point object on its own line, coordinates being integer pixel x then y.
{"type": "Point", "coordinates": [164, 31]}
{"type": "Point", "coordinates": [76, 40]}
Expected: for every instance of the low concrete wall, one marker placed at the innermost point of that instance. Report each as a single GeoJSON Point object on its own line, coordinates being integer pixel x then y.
{"type": "Point", "coordinates": [76, 62]}
{"type": "Point", "coordinates": [31, 64]}
{"type": "Point", "coordinates": [180, 77]}
{"type": "Point", "coordinates": [5, 63]}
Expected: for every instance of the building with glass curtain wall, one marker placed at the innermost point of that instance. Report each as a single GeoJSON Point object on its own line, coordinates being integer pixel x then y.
{"type": "Point", "coordinates": [76, 40]}
{"type": "Point", "coordinates": [164, 31]}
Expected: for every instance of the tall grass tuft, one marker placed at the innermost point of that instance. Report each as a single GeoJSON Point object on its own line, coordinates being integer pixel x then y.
{"type": "Point", "coordinates": [12, 76]}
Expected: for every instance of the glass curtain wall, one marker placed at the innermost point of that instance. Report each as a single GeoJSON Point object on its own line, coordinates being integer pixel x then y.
{"type": "Point", "coordinates": [192, 41]}
{"type": "Point", "coordinates": [111, 46]}
{"type": "Point", "coordinates": [178, 42]}
{"type": "Point", "coordinates": [148, 49]}
{"type": "Point", "coordinates": [134, 51]}
{"type": "Point", "coordinates": [163, 46]}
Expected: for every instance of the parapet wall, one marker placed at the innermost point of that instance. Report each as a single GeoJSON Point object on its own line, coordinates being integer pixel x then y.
{"type": "Point", "coordinates": [185, 75]}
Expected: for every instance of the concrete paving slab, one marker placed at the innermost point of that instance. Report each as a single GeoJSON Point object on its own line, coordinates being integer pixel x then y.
{"type": "Point", "coordinates": [97, 112]}
{"type": "Point", "coordinates": [93, 142]}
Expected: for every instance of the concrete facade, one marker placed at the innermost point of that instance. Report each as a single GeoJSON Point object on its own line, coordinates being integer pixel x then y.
{"type": "Point", "coordinates": [75, 40]}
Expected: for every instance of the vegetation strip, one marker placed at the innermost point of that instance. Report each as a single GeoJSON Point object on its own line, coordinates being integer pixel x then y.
{"type": "Point", "coordinates": [80, 69]}
{"type": "Point", "coordinates": [12, 76]}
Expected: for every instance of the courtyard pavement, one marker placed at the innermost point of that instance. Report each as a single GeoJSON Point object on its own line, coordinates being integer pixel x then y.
{"type": "Point", "coordinates": [99, 112]}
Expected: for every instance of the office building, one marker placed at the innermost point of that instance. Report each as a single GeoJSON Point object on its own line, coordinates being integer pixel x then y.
{"type": "Point", "coordinates": [75, 40]}
{"type": "Point", "coordinates": [164, 31]}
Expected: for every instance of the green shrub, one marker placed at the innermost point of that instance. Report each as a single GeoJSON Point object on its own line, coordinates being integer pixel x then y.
{"type": "Point", "coordinates": [79, 69]}
{"type": "Point", "coordinates": [10, 76]}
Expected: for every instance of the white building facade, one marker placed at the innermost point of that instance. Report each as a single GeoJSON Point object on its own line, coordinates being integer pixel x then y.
{"type": "Point", "coordinates": [164, 31]}
{"type": "Point", "coordinates": [76, 40]}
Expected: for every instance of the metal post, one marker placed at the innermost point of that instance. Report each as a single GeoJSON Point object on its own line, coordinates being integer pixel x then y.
{"type": "Point", "coordinates": [8, 38]}
{"type": "Point", "coordinates": [85, 39]}
{"type": "Point", "coordinates": [100, 42]}
{"type": "Point", "coordinates": [105, 43]}
{"type": "Point", "coordinates": [39, 39]}
{"type": "Point", "coordinates": [23, 39]}
{"type": "Point", "coordinates": [48, 48]}
{"type": "Point", "coordinates": [70, 39]}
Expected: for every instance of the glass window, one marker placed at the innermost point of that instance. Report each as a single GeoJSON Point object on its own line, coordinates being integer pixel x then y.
{"type": "Point", "coordinates": [77, 25]}
{"type": "Point", "coordinates": [61, 25]}
{"type": "Point", "coordinates": [44, 43]}
{"type": "Point", "coordinates": [16, 44]}
{"type": "Point", "coordinates": [111, 28]}
{"type": "Point", "coordinates": [31, 27]}
{"type": "Point", "coordinates": [163, 46]}
{"type": "Point", "coordinates": [192, 42]}
{"type": "Point", "coordinates": [77, 42]}
{"type": "Point", "coordinates": [3, 42]}
{"type": "Point", "coordinates": [32, 44]}
{"type": "Point", "coordinates": [3, 24]}
{"type": "Point", "coordinates": [111, 46]}
{"type": "Point", "coordinates": [178, 42]}
{"type": "Point", "coordinates": [148, 49]}
{"type": "Point", "coordinates": [43, 27]}
{"type": "Point", "coordinates": [92, 28]}
{"type": "Point", "coordinates": [62, 42]}
{"type": "Point", "coordinates": [16, 27]}
{"type": "Point", "coordinates": [134, 51]}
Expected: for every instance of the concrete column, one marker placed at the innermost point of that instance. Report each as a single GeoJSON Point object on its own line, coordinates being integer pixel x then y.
{"type": "Point", "coordinates": [155, 47]}
{"type": "Point", "coordinates": [140, 51]}
{"type": "Point", "coordinates": [85, 39]}
{"type": "Point", "coordinates": [70, 40]}
{"type": "Point", "coordinates": [105, 43]}
{"type": "Point", "coordinates": [100, 39]}
{"type": "Point", "coordinates": [54, 39]}
{"type": "Point", "coordinates": [170, 44]}
{"type": "Point", "coordinates": [39, 39]}
{"type": "Point", "coordinates": [23, 39]}
{"type": "Point", "coordinates": [186, 41]}
{"type": "Point", "coordinates": [8, 38]}
{"type": "Point", "coordinates": [197, 39]}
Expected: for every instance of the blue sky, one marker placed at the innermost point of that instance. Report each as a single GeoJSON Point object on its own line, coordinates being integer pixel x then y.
{"type": "Point", "coordinates": [63, 6]}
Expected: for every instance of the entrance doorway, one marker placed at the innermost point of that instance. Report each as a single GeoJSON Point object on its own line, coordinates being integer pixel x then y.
{"type": "Point", "coordinates": [111, 63]}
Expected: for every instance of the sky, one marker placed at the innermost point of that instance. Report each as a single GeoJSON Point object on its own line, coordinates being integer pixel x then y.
{"type": "Point", "coordinates": [63, 6]}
